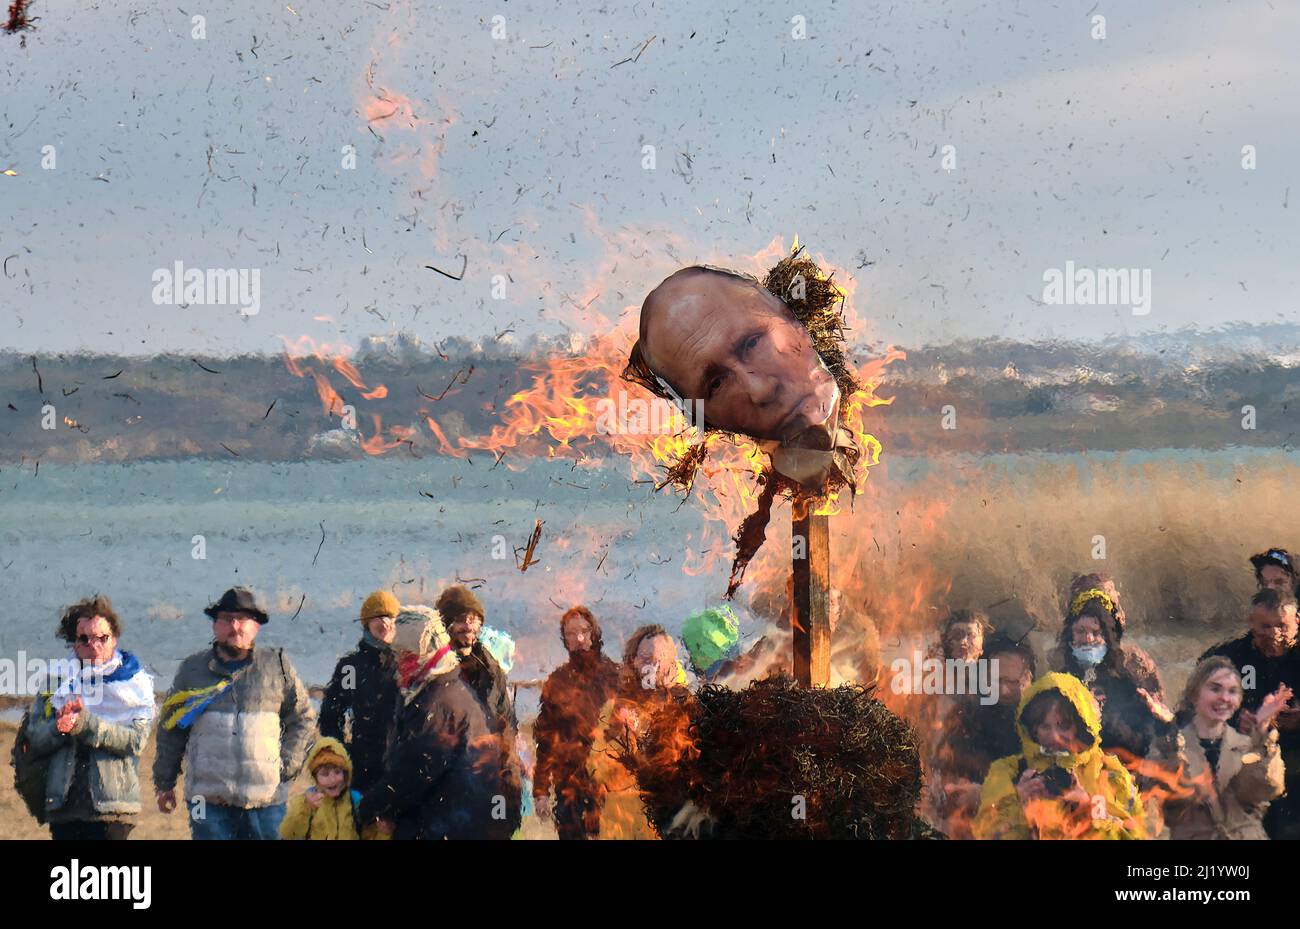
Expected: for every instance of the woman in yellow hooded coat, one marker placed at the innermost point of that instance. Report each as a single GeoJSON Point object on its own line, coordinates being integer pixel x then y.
{"type": "Point", "coordinates": [1062, 786]}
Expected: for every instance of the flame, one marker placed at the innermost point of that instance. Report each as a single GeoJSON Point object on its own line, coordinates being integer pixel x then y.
{"type": "Point", "coordinates": [577, 406]}
{"type": "Point", "coordinates": [391, 114]}
{"type": "Point", "coordinates": [304, 357]}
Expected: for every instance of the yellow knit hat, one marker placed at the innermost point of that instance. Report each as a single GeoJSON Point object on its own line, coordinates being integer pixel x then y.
{"type": "Point", "coordinates": [379, 603]}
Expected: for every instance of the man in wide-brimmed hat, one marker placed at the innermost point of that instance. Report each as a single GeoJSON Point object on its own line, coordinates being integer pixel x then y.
{"type": "Point", "coordinates": [240, 720]}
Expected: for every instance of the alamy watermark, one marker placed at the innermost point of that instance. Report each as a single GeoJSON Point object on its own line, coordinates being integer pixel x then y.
{"type": "Point", "coordinates": [1073, 286]}
{"type": "Point", "coordinates": [953, 676]}
{"type": "Point", "coordinates": [76, 881]}
{"type": "Point", "coordinates": [182, 286]}
{"type": "Point", "coordinates": [624, 415]}
{"type": "Point", "coordinates": [33, 676]}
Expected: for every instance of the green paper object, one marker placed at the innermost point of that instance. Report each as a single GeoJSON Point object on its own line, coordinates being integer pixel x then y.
{"type": "Point", "coordinates": [711, 636]}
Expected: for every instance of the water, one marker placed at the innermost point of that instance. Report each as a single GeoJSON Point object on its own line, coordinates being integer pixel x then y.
{"type": "Point", "coordinates": [130, 531]}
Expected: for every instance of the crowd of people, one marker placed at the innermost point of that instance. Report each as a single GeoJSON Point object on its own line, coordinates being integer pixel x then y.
{"type": "Point", "coordinates": [1089, 746]}
{"type": "Point", "coordinates": [417, 736]}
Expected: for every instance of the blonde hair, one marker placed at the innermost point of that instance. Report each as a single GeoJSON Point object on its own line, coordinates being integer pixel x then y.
{"type": "Point", "coordinates": [1200, 674]}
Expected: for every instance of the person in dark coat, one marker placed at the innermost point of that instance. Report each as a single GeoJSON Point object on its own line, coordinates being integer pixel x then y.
{"type": "Point", "coordinates": [463, 614]}
{"type": "Point", "coordinates": [975, 735]}
{"type": "Point", "coordinates": [1132, 718]}
{"type": "Point", "coordinates": [566, 727]}
{"type": "Point", "coordinates": [440, 779]}
{"type": "Point", "coordinates": [364, 687]}
{"type": "Point", "coordinates": [1141, 667]}
{"type": "Point", "coordinates": [1268, 656]}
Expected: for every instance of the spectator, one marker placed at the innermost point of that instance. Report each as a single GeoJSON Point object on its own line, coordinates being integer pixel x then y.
{"type": "Point", "coordinates": [1226, 779]}
{"type": "Point", "coordinates": [1275, 570]}
{"type": "Point", "coordinates": [328, 808]}
{"type": "Point", "coordinates": [976, 735]}
{"type": "Point", "coordinates": [1131, 717]}
{"type": "Point", "coordinates": [1140, 666]}
{"type": "Point", "coordinates": [442, 779]}
{"type": "Point", "coordinates": [566, 727]}
{"type": "Point", "coordinates": [463, 614]}
{"type": "Point", "coordinates": [93, 728]}
{"type": "Point", "coordinates": [1267, 656]}
{"type": "Point", "coordinates": [1062, 785]}
{"type": "Point", "coordinates": [652, 683]}
{"type": "Point", "coordinates": [238, 720]}
{"type": "Point", "coordinates": [363, 691]}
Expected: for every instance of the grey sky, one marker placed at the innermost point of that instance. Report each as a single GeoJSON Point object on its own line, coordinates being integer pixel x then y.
{"type": "Point", "coordinates": [1124, 152]}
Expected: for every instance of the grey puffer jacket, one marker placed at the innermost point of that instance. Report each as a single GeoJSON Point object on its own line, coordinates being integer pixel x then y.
{"type": "Point", "coordinates": [248, 743]}
{"type": "Point", "coordinates": [114, 769]}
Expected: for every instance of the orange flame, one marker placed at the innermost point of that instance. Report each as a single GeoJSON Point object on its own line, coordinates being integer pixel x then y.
{"type": "Point", "coordinates": [578, 406]}
{"type": "Point", "coordinates": [298, 356]}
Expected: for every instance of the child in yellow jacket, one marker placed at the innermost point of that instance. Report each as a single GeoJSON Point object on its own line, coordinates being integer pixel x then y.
{"type": "Point", "coordinates": [326, 810]}
{"type": "Point", "coordinates": [1062, 786]}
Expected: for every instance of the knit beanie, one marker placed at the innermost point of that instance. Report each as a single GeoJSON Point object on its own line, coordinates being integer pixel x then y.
{"type": "Point", "coordinates": [379, 603]}
{"type": "Point", "coordinates": [457, 601]}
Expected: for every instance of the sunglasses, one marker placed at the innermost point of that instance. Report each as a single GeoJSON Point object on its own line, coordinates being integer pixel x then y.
{"type": "Point", "coordinates": [93, 639]}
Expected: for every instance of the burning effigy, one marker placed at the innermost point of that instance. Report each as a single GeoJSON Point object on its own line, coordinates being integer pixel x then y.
{"type": "Point", "coordinates": [763, 361]}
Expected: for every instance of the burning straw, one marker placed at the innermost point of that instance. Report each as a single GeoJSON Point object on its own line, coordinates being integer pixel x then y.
{"type": "Point", "coordinates": [20, 17]}
{"type": "Point", "coordinates": [855, 765]}
{"type": "Point", "coordinates": [818, 303]}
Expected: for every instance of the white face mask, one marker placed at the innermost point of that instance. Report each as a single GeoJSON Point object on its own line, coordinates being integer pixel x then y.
{"type": "Point", "coordinates": [1089, 655]}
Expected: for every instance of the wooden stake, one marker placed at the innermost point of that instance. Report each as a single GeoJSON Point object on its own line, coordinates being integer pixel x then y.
{"type": "Point", "coordinates": [812, 595]}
